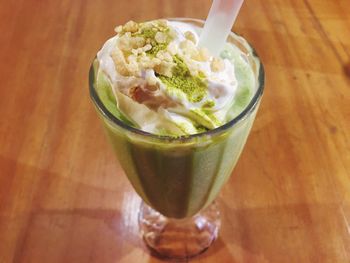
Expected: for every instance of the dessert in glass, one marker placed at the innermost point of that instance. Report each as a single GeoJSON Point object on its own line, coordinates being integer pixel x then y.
{"type": "Point", "coordinates": [177, 118]}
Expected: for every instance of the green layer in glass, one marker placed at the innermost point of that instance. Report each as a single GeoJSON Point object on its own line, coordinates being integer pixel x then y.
{"type": "Point", "coordinates": [179, 176]}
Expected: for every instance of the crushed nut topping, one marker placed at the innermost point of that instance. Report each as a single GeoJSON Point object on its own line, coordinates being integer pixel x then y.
{"type": "Point", "coordinates": [142, 46]}
{"type": "Point", "coordinates": [131, 26]}
{"type": "Point", "coordinates": [190, 36]}
{"type": "Point", "coordinates": [149, 46]}
{"type": "Point", "coordinates": [217, 65]}
{"type": "Point", "coordinates": [160, 37]}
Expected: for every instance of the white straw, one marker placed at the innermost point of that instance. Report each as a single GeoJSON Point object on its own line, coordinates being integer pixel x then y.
{"type": "Point", "coordinates": [217, 27]}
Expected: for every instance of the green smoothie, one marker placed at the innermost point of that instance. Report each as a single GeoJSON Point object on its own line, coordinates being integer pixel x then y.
{"type": "Point", "coordinates": [179, 174]}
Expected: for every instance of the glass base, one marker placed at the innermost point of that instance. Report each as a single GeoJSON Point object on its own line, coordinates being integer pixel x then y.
{"type": "Point", "coordinates": [179, 238]}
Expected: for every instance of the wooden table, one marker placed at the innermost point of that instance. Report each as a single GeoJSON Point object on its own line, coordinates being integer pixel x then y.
{"type": "Point", "coordinates": [64, 198]}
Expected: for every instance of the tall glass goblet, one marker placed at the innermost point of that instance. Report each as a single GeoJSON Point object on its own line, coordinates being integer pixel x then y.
{"type": "Point", "coordinates": [178, 178]}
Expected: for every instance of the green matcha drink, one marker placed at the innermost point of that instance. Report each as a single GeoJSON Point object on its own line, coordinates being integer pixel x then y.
{"type": "Point", "coordinates": [176, 117]}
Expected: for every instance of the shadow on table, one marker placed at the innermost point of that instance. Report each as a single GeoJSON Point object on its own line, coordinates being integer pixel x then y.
{"type": "Point", "coordinates": [210, 252]}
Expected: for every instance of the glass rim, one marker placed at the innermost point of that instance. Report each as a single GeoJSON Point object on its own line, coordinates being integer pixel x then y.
{"type": "Point", "coordinates": [182, 138]}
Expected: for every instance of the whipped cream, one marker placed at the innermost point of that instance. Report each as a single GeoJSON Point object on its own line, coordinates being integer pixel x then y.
{"type": "Point", "coordinates": [163, 82]}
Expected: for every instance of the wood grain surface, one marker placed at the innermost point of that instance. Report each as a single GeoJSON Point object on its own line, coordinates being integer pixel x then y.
{"type": "Point", "coordinates": [63, 196]}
